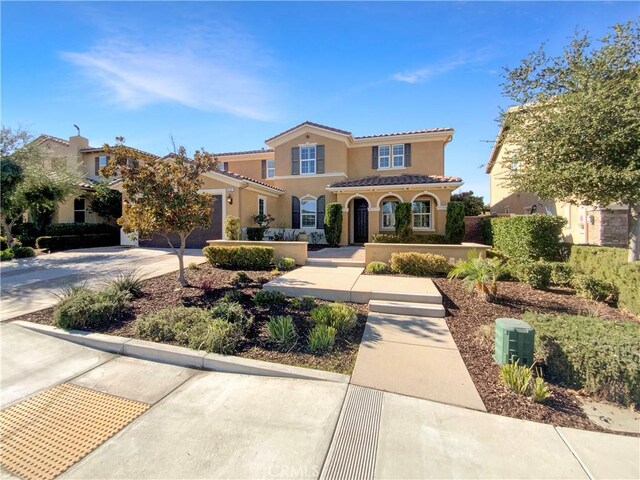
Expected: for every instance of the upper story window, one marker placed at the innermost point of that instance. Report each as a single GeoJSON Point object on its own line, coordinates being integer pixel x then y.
{"type": "Point", "coordinates": [398, 155]}
{"type": "Point", "coordinates": [308, 160]}
{"type": "Point", "coordinates": [79, 210]}
{"type": "Point", "coordinates": [422, 213]}
{"type": "Point", "coordinates": [383, 156]}
{"type": "Point", "coordinates": [271, 168]}
{"type": "Point", "coordinates": [101, 162]}
{"type": "Point", "coordinates": [308, 213]}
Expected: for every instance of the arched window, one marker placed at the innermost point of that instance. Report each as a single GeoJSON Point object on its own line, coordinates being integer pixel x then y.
{"type": "Point", "coordinates": [389, 213]}
{"type": "Point", "coordinates": [308, 208]}
{"type": "Point", "coordinates": [422, 209]}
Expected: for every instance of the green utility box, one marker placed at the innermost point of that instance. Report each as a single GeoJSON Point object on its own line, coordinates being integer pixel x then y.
{"type": "Point", "coordinates": [514, 341]}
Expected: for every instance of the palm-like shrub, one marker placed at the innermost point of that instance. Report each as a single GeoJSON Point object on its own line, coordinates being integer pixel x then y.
{"type": "Point", "coordinates": [282, 331]}
{"type": "Point", "coordinates": [480, 274]}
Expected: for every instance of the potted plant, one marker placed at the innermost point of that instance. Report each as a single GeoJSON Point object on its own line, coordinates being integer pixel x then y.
{"type": "Point", "coordinates": [302, 236]}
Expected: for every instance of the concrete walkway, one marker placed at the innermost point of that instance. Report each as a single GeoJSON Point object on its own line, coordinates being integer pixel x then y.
{"type": "Point", "coordinates": [337, 257]}
{"type": "Point", "coordinates": [31, 284]}
{"type": "Point", "coordinates": [214, 425]}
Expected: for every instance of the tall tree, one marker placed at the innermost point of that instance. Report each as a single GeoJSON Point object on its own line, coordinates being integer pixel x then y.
{"type": "Point", "coordinates": [576, 125]}
{"type": "Point", "coordinates": [31, 181]}
{"type": "Point", "coordinates": [163, 194]}
{"type": "Point", "coordinates": [473, 204]}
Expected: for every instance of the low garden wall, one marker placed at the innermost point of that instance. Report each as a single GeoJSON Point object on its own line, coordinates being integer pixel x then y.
{"type": "Point", "coordinates": [381, 252]}
{"type": "Point", "coordinates": [295, 250]}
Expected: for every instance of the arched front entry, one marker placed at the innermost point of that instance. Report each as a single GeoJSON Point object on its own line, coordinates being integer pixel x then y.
{"type": "Point", "coordinates": [360, 220]}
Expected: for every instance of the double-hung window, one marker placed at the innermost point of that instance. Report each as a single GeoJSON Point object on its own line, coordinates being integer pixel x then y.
{"type": "Point", "coordinates": [422, 213]}
{"type": "Point", "coordinates": [79, 210]}
{"type": "Point", "coordinates": [262, 206]}
{"type": "Point", "coordinates": [398, 155]}
{"type": "Point", "coordinates": [383, 156]}
{"type": "Point", "coordinates": [308, 213]}
{"type": "Point", "coordinates": [308, 160]}
{"type": "Point", "coordinates": [389, 214]}
{"type": "Point", "coordinates": [271, 168]}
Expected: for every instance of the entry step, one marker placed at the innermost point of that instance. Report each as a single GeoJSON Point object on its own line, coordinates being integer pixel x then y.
{"type": "Point", "coordinates": [407, 297]}
{"type": "Point", "coordinates": [333, 262]}
{"type": "Point", "coordinates": [407, 308]}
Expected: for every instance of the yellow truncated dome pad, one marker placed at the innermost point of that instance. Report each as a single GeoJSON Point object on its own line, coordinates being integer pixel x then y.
{"type": "Point", "coordinates": [44, 435]}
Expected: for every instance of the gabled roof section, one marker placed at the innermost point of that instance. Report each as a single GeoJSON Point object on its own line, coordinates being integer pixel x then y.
{"type": "Point", "coordinates": [43, 138]}
{"type": "Point", "coordinates": [411, 132]}
{"type": "Point", "coordinates": [244, 178]}
{"type": "Point", "coordinates": [309, 124]}
{"type": "Point", "coordinates": [394, 181]}
{"type": "Point", "coordinates": [247, 152]}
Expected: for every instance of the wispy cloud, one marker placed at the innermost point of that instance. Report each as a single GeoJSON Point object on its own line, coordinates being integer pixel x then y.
{"type": "Point", "coordinates": [427, 72]}
{"type": "Point", "coordinates": [223, 72]}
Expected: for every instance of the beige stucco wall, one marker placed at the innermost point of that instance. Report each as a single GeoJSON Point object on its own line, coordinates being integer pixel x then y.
{"type": "Point", "coordinates": [295, 250]}
{"type": "Point", "coordinates": [426, 158]}
{"type": "Point", "coordinates": [381, 252]}
{"type": "Point", "coordinates": [335, 153]}
{"type": "Point", "coordinates": [65, 213]}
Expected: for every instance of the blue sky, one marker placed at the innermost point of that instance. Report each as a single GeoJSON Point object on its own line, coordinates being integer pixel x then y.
{"type": "Point", "coordinates": [226, 76]}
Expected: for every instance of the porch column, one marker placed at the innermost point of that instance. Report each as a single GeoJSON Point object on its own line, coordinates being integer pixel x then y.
{"type": "Point", "coordinates": [344, 238]}
{"type": "Point", "coordinates": [374, 222]}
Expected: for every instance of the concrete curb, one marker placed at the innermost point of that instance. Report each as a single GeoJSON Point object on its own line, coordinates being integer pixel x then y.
{"type": "Point", "coordinates": [181, 356]}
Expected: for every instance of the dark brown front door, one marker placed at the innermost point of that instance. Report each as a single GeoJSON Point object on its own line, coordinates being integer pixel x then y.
{"type": "Point", "coordinates": [198, 238]}
{"type": "Point", "coordinates": [360, 220]}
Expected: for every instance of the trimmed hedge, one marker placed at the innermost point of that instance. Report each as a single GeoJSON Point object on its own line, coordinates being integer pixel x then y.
{"type": "Point", "coordinates": [429, 238]}
{"type": "Point", "coordinates": [404, 228]}
{"type": "Point", "coordinates": [454, 226]}
{"type": "Point", "coordinates": [528, 237]}
{"type": "Point", "coordinates": [419, 264]}
{"type": "Point", "coordinates": [67, 242]}
{"type": "Point", "coordinates": [232, 228]}
{"type": "Point", "coordinates": [333, 223]}
{"type": "Point", "coordinates": [598, 355]}
{"type": "Point", "coordinates": [66, 229]}
{"type": "Point", "coordinates": [240, 258]}
{"type": "Point", "coordinates": [610, 265]}
{"type": "Point", "coordinates": [255, 234]}
{"type": "Point", "coordinates": [23, 252]}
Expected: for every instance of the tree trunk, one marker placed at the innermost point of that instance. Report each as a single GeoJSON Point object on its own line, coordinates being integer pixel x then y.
{"type": "Point", "coordinates": [634, 232]}
{"type": "Point", "coordinates": [7, 231]}
{"type": "Point", "coordinates": [181, 279]}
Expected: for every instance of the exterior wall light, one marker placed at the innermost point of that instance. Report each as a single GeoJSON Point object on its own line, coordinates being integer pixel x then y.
{"type": "Point", "coordinates": [229, 199]}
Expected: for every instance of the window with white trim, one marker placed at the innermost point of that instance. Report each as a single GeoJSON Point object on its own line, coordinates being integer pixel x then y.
{"type": "Point", "coordinates": [389, 214]}
{"type": "Point", "coordinates": [102, 161]}
{"type": "Point", "coordinates": [398, 155]}
{"type": "Point", "coordinates": [383, 156]}
{"type": "Point", "coordinates": [79, 210]}
{"type": "Point", "coordinates": [421, 209]}
{"type": "Point", "coordinates": [262, 206]}
{"type": "Point", "coordinates": [308, 213]}
{"type": "Point", "coordinates": [271, 168]}
{"type": "Point", "coordinates": [308, 160]}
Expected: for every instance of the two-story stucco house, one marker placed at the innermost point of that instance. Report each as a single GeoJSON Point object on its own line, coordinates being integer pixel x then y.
{"type": "Point", "coordinates": [302, 170]}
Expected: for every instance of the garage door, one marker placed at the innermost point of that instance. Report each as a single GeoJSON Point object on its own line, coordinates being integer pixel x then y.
{"type": "Point", "coordinates": [199, 237]}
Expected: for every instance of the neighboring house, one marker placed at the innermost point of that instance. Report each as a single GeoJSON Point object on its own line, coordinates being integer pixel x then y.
{"type": "Point", "coordinates": [595, 225]}
{"type": "Point", "coordinates": [309, 166]}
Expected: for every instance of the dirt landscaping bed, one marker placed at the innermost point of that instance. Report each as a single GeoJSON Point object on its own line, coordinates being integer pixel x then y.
{"type": "Point", "coordinates": [467, 315]}
{"type": "Point", "coordinates": [208, 286]}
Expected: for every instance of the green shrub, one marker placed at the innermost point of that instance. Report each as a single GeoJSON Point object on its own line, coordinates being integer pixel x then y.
{"type": "Point", "coordinates": [233, 296]}
{"type": "Point", "coordinates": [239, 258]}
{"type": "Point", "coordinates": [540, 390]}
{"type": "Point", "coordinates": [528, 237]}
{"type": "Point", "coordinates": [480, 274]}
{"type": "Point", "coordinates": [598, 355]}
{"type": "Point", "coordinates": [6, 255]}
{"type": "Point", "coordinates": [516, 377]}
{"type": "Point", "coordinates": [282, 331]}
{"type": "Point", "coordinates": [537, 274]}
{"type": "Point", "coordinates": [255, 234]}
{"type": "Point", "coordinates": [231, 312]}
{"type": "Point", "coordinates": [337, 315]}
{"type": "Point", "coordinates": [3, 243]}
{"type": "Point", "coordinates": [267, 298]}
{"type": "Point", "coordinates": [610, 264]}
{"type": "Point", "coordinates": [487, 230]}
{"type": "Point", "coordinates": [160, 326]}
{"type": "Point", "coordinates": [591, 287]}
{"type": "Point", "coordinates": [286, 264]}
{"type": "Point", "coordinates": [454, 226]}
{"type": "Point", "coordinates": [68, 242]}
{"type": "Point", "coordinates": [561, 273]}
{"type": "Point", "coordinates": [128, 281]}
{"type": "Point", "coordinates": [23, 252]}
{"type": "Point", "coordinates": [232, 230]}
{"type": "Point", "coordinates": [378, 268]}
{"type": "Point", "coordinates": [91, 309]}
{"type": "Point", "coordinates": [333, 223]}
{"type": "Point", "coordinates": [240, 278]}
{"type": "Point", "coordinates": [221, 337]}
{"type": "Point", "coordinates": [419, 264]}
{"type": "Point", "coordinates": [74, 229]}
{"type": "Point", "coordinates": [322, 338]}
{"type": "Point", "coordinates": [429, 238]}
{"type": "Point", "coordinates": [404, 227]}
{"type": "Point", "coordinates": [304, 303]}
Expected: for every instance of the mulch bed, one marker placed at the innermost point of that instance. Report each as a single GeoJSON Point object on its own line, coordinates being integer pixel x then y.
{"type": "Point", "coordinates": [207, 286]}
{"type": "Point", "coordinates": [467, 314]}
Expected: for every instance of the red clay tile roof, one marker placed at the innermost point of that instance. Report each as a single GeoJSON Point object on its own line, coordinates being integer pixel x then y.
{"type": "Point", "coordinates": [312, 124]}
{"type": "Point", "coordinates": [237, 176]}
{"type": "Point", "coordinates": [411, 132]}
{"type": "Point", "coordinates": [43, 138]}
{"type": "Point", "coordinates": [394, 180]}
{"type": "Point", "coordinates": [247, 152]}
{"type": "Point", "coordinates": [101, 149]}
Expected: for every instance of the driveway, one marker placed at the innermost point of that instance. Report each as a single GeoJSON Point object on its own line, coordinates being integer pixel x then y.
{"type": "Point", "coordinates": [31, 284]}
